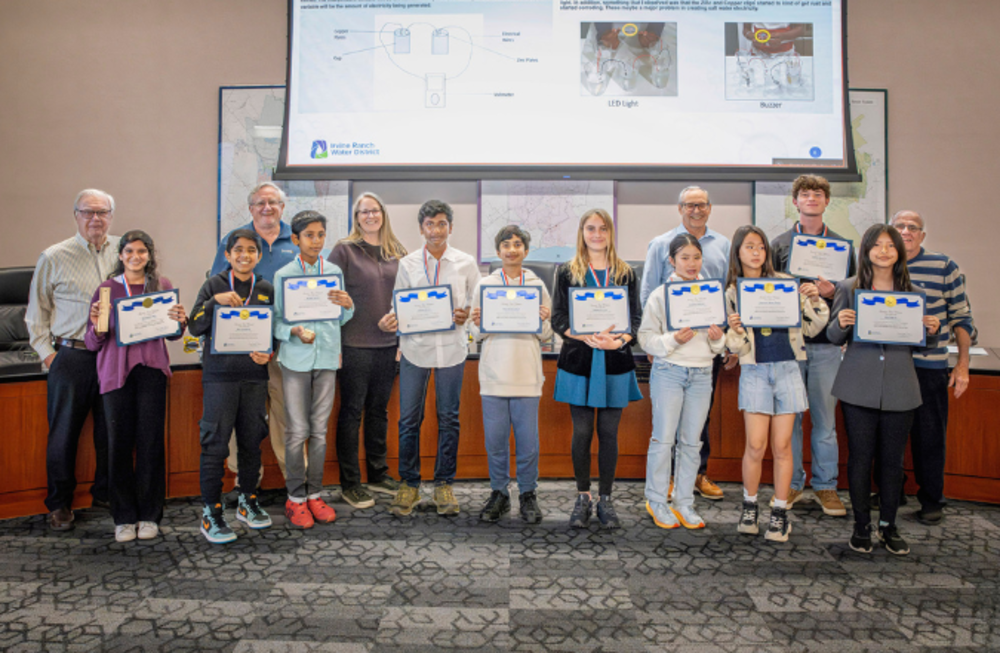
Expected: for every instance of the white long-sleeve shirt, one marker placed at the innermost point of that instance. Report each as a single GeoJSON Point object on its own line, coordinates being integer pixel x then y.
{"type": "Point", "coordinates": [658, 340]}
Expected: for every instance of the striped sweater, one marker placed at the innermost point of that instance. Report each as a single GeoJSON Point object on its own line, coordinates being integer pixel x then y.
{"type": "Point", "coordinates": [939, 277]}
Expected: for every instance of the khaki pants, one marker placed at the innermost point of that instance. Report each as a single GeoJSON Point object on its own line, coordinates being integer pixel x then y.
{"type": "Point", "coordinates": [275, 418]}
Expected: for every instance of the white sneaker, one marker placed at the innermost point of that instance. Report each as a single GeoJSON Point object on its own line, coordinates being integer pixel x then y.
{"type": "Point", "coordinates": [688, 517]}
{"type": "Point", "coordinates": [148, 530]}
{"type": "Point", "coordinates": [124, 532]}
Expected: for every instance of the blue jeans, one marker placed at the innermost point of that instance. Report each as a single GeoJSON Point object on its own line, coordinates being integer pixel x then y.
{"type": "Point", "coordinates": [499, 414]}
{"type": "Point", "coordinates": [413, 381]}
{"type": "Point", "coordinates": [818, 372]}
{"type": "Point", "coordinates": [681, 399]}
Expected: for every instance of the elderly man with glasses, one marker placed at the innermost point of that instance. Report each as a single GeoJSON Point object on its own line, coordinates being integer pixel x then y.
{"type": "Point", "coordinates": [694, 207]}
{"type": "Point", "coordinates": [58, 309]}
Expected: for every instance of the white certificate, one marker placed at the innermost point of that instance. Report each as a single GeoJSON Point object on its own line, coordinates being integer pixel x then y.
{"type": "Point", "coordinates": [144, 317]}
{"type": "Point", "coordinates": [771, 303]}
{"type": "Point", "coordinates": [890, 318]}
{"type": "Point", "coordinates": [241, 329]}
{"type": "Point", "coordinates": [592, 310]}
{"type": "Point", "coordinates": [695, 304]}
{"type": "Point", "coordinates": [812, 257]}
{"type": "Point", "coordinates": [423, 310]}
{"type": "Point", "coordinates": [510, 309]}
{"type": "Point", "coordinates": [304, 298]}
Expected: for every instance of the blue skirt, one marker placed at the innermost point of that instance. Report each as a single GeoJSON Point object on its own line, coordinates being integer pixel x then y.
{"type": "Point", "coordinates": [599, 390]}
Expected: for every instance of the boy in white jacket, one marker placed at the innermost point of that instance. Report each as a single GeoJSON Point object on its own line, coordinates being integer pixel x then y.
{"type": "Point", "coordinates": [510, 381]}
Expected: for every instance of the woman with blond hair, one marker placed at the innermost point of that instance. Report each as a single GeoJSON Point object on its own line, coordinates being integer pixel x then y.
{"type": "Point", "coordinates": [369, 257]}
{"type": "Point", "coordinates": [596, 372]}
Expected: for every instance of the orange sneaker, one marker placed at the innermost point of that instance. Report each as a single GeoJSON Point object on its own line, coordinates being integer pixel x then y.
{"type": "Point", "coordinates": [321, 512]}
{"type": "Point", "coordinates": [298, 515]}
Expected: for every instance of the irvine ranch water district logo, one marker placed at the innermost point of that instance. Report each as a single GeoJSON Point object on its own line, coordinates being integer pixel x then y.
{"type": "Point", "coordinates": [319, 150]}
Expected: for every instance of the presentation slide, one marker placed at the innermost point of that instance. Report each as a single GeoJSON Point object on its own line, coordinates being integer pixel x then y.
{"type": "Point", "coordinates": [563, 85]}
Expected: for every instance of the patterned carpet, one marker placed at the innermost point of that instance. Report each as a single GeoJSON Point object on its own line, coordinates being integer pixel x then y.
{"type": "Point", "coordinates": [373, 582]}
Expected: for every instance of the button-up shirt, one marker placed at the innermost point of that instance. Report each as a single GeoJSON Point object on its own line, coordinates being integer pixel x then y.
{"type": "Point", "coordinates": [714, 259]}
{"type": "Point", "coordinates": [458, 270]}
{"type": "Point", "coordinates": [66, 276]}
{"type": "Point", "coordinates": [324, 352]}
{"type": "Point", "coordinates": [275, 256]}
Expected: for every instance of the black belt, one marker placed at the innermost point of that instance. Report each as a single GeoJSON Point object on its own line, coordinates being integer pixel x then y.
{"type": "Point", "coordinates": [69, 342]}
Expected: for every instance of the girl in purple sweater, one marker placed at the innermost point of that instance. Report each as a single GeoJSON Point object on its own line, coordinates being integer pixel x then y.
{"type": "Point", "coordinates": [134, 389]}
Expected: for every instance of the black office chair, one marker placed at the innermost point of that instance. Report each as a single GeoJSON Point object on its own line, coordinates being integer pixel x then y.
{"type": "Point", "coordinates": [16, 354]}
{"type": "Point", "coordinates": [544, 270]}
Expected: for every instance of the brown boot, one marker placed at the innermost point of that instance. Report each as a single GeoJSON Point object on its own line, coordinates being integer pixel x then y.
{"type": "Point", "coordinates": [706, 488]}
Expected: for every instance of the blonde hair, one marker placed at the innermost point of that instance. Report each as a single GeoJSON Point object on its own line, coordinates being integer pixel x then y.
{"type": "Point", "coordinates": [618, 270]}
{"type": "Point", "coordinates": [391, 247]}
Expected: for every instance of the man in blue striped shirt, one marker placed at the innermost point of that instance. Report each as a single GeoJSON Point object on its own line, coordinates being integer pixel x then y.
{"type": "Point", "coordinates": [939, 277]}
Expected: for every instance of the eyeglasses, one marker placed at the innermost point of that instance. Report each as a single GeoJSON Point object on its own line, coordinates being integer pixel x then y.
{"type": "Point", "coordinates": [912, 228]}
{"type": "Point", "coordinates": [272, 203]}
{"type": "Point", "coordinates": [364, 213]}
{"type": "Point", "coordinates": [695, 206]}
{"type": "Point", "coordinates": [88, 213]}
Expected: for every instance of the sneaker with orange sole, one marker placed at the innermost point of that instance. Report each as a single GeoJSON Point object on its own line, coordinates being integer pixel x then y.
{"type": "Point", "coordinates": [321, 512]}
{"type": "Point", "coordinates": [298, 515]}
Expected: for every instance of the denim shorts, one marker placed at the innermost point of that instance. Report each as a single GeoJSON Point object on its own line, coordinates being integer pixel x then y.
{"type": "Point", "coordinates": [772, 388]}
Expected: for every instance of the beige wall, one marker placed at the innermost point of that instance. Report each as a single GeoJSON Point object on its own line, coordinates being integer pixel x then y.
{"type": "Point", "coordinates": [123, 95]}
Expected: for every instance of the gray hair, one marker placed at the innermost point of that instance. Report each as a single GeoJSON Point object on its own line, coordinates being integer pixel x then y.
{"type": "Point", "coordinates": [680, 198]}
{"type": "Point", "coordinates": [93, 192]}
{"type": "Point", "coordinates": [895, 215]}
{"type": "Point", "coordinates": [266, 184]}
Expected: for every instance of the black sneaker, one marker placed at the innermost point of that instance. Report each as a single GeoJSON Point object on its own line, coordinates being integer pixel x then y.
{"type": "Point", "coordinates": [530, 512]}
{"type": "Point", "coordinates": [748, 519]}
{"type": "Point", "coordinates": [606, 513]}
{"type": "Point", "coordinates": [894, 544]}
{"type": "Point", "coordinates": [358, 497]}
{"type": "Point", "coordinates": [929, 516]}
{"type": "Point", "coordinates": [779, 527]}
{"type": "Point", "coordinates": [861, 539]}
{"type": "Point", "coordinates": [496, 507]}
{"type": "Point", "coordinates": [580, 518]}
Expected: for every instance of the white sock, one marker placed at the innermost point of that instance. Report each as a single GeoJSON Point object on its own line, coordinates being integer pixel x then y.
{"type": "Point", "coordinates": [313, 497]}
{"type": "Point", "coordinates": [748, 497]}
{"type": "Point", "coordinates": [780, 503]}
{"type": "Point", "coordinates": [297, 499]}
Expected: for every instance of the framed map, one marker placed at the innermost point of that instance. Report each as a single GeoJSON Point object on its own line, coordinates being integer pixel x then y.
{"type": "Point", "coordinates": [250, 121]}
{"type": "Point", "coordinates": [854, 206]}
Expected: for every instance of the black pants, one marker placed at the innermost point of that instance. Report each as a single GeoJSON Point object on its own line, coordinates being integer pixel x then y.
{"type": "Point", "coordinates": [73, 391]}
{"type": "Point", "coordinates": [136, 413]}
{"type": "Point", "coordinates": [871, 431]}
{"type": "Point", "coordinates": [927, 437]}
{"type": "Point", "coordinates": [366, 379]}
{"type": "Point", "coordinates": [241, 405]}
{"type": "Point", "coordinates": [607, 446]}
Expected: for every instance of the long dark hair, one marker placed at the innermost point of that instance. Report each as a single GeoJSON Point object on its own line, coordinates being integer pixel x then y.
{"type": "Point", "coordinates": [900, 271]}
{"type": "Point", "coordinates": [152, 276]}
{"type": "Point", "coordinates": [735, 265]}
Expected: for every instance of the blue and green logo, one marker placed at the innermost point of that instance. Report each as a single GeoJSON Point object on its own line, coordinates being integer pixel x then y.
{"type": "Point", "coordinates": [319, 150]}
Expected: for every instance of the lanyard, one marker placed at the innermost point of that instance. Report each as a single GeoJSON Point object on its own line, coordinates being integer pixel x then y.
{"type": "Point", "coordinates": [427, 270]}
{"type": "Point", "coordinates": [798, 229]}
{"type": "Point", "coordinates": [253, 283]}
{"type": "Point", "coordinates": [303, 264]}
{"type": "Point", "coordinates": [128, 291]}
{"type": "Point", "coordinates": [607, 276]}
{"type": "Point", "coordinates": [506, 281]}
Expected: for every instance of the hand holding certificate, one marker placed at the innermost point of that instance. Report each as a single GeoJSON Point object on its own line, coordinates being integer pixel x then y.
{"type": "Point", "coordinates": [812, 257]}
{"type": "Point", "coordinates": [423, 310]}
{"type": "Point", "coordinates": [695, 304]}
{"type": "Point", "coordinates": [241, 330]}
{"type": "Point", "coordinates": [891, 318]}
{"type": "Point", "coordinates": [769, 303]}
{"type": "Point", "coordinates": [307, 298]}
{"type": "Point", "coordinates": [510, 309]}
{"type": "Point", "coordinates": [147, 317]}
{"type": "Point", "coordinates": [593, 310]}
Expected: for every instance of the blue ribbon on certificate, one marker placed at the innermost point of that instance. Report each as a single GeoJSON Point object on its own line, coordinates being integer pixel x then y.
{"type": "Point", "coordinates": [502, 294]}
{"type": "Point", "coordinates": [302, 283]}
{"type": "Point", "coordinates": [783, 287]}
{"type": "Point", "coordinates": [614, 295]}
{"type": "Point", "coordinates": [709, 288]}
{"type": "Point", "coordinates": [899, 301]}
{"type": "Point", "coordinates": [835, 246]}
{"type": "Point", "coordinates": [238, 314]}
{"type": "Point", "coordinates": [162, 299]}
{"type": "Point", "coordinates": [430, 294]}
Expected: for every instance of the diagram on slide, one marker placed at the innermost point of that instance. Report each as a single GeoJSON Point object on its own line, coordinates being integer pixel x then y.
{"type": "Point", "coordinates": [628, 58]}
{"type": "Point", "coordinates": [769, 61]}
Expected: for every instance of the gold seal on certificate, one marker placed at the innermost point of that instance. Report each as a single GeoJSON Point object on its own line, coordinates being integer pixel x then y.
{"type": "Point", "coordinates": [771, 303]}
{"type": "Point", "coordinates": [592, 310]}
{"type": "Point", "coordinates": [423, 310]}
{"type": "Point", "coordinates": [812, 257]}
{"type": "Point", "coordinates": [510, 309]}
{"type": "Point", "coordinates": [144, 317]}
{"type": "Point", "coordinates": [304, 298]}
{"type": "Point", "coordinates": [890, 318]}
{"type": "Point", "coordinates": [241, 330]}
{"type": "Point", "coordinates": [695, 304]}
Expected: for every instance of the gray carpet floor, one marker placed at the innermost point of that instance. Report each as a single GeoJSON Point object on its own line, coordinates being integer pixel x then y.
{"type": "Point", "coordinates": [375, 582]}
